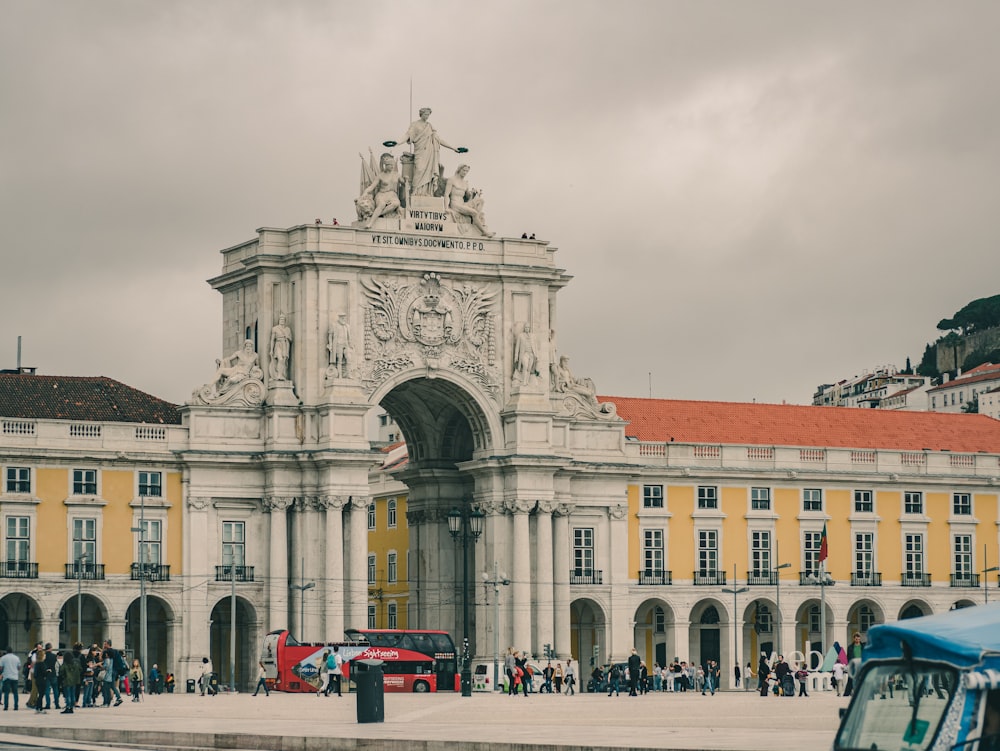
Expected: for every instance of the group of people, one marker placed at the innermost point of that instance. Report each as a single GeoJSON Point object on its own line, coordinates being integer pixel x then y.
{"type": "Point", "coordinates": [77, 676]}
{"type": "Point", "coordinates": [677, 676]}
{"type": "Point", "coordinates": [559, 678]}
{"type": "Point", "coordinates": [331, 673]}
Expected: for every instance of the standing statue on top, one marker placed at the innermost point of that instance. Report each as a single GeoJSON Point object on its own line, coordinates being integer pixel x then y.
{"type": "Point", "coordinates": [426, 154]}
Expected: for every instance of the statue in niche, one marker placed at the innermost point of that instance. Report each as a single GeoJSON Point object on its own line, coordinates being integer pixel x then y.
{"type": "Point", "coordinates": [281, 348]}
{"type": "Point", "coordinates": [525, 360]}
{"type": "Point", "coordinates": [465, 202]}
{"type": "Point", "coordinates": [238, 380]}
{"type": "Point", "coordinates": [381, 197]}
{"type": "Point", "coordinates": [338, 344]}
{"type": "Point", "coordinates": [426, 154]}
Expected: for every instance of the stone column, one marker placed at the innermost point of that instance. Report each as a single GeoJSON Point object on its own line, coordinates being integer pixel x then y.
{"type": "Point", "coordinates": [277, 506]}
{"type": "Point", "coordinates": [682, 639]}
{"type": "Point", "coordinates": [357, 582]}
{"type": "Point", "coordinates": [621, 639]}
{"type": "Point", "coordinates": [521, 574]}
{"type": "Point", "coordinates": [494, 633]}
{"type": "Point", "coordinates": [544, 582]}
{"type": "Point", "coordinates": [560, 578]}
{"type": "Point", "coordinates": [334, 591]}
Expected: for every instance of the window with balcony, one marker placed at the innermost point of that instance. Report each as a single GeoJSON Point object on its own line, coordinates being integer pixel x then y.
{"type": "Point", "coordinates": [812, 499]}
{"type": "Point", "coordinates": [18, 538]}
{"type": "Point", "coordinates": [652, 551]}
{"type": "Point", "coordinates": [708, 497]}
{"type": "Point", "coordinates": [652, 496]}
{"type": "Point", "coordinates": [233, 543]}
{"type": "Point", "coordinates": [913, 502]}
{"type": "Point", "coordinates": [913, 560]}
{"type": "Point", "coordinates": [390, 511]}
{"type": "Point", "coordinates": [371, 516]}
{"type": "Point", "coordinates": [18, 480]}
{"type": "Point", "coordinates": [151, 484]}
{"type": "Point", "coordinates": [760, 554]}
{"type": "Point", "coordinates": [760, 499]}
{"type": "Point", "coordinates": [583, 551]}
{"type": "Point", "coordinates": [863, 503]}
{"type": "Point", "coordinates": [390, 572]}
{"type": "Point", "coordinates": [961, 504]}
{"type": "Point", "coordinates": [864, 556]}
{"type": "Point", "coordinates": [85, 539]}
{"type": "Point", "coordinates": [962, 575]}
{"type": "Point", "coordinates": [708, 552]}
{"type": "Point", "coordinates": [152, 540]}
{"type": "Point", "coordinates": [84, 482]}
{"type": "Point", "coordinates": [811, 542]}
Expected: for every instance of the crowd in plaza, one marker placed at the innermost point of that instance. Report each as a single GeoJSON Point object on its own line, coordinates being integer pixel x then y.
{"type": "Point", "coordinates": [76, 678]}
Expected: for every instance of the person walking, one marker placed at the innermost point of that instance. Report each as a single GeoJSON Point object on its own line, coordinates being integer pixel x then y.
{"type": "Point", "coordinates": [336, 663]}
{"type": "Point", "coordinates": [261, 680]}
{"type": "Point", "coordinates": [570, 678]}
{"type": "Point", "coordinates": [135, 679]}
{"type": "Point", "coordinates": [206, 677]}
{"type": "Point", "coordinates": [614, 678]}
{"type": "Point", "coordinates": [69, 674]}
{"type": "Point", "coordinates": [324, 674]}
{"type": "Point", "coordinates": [10, 672]}
{"type": "Point", "coordinates": [634, 663]}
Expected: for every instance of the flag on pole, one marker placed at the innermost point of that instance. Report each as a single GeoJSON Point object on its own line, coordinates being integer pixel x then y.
{"type": "Point", "coordinates": [824, 550]}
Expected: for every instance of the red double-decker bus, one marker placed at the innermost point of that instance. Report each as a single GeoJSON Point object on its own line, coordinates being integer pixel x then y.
{"type": "Point", "coordinates": [293, 666]}
{"type": "Point", "coordinates": [430, 643]}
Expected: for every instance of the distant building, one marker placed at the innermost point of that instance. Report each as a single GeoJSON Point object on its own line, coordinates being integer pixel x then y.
{"type": "Point", "coordinates": [876, 390]}
{"type": "Point", "coordinates": [955, 394]}
{"type": "Point", "coordinates": [989, 403]}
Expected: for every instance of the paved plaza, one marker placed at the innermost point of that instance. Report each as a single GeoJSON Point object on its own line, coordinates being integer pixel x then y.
{"type": "Point", "coordinates": [282, 722]}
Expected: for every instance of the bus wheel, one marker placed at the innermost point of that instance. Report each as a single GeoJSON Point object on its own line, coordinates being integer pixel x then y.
{"type": "Point", "coordinates": [421, 687]}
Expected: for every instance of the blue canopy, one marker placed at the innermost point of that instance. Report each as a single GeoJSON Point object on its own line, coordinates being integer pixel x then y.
{"type": "Point", "coordinates": [966, 638]}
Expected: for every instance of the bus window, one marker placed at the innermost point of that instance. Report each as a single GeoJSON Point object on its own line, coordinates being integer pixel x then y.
{"type": "Point", "coordinates": [443, 643]}
{"type": "Point", "coordinates": [423, 643]}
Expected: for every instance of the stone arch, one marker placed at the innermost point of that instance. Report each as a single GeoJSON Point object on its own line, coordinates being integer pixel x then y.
{"type": "Point", "coordinates": [588, 620]}
{"type": "Point", "coordinates": [963, 603]}
{"type": "Point", "coordinates": [862, 615]}
{"type": "Point", "coordinates": [761, 618]}
{"type": "Point", "coordinates": [247, 642]}
{"type": "Point", "coordinates": [93, 612]}
{"type": "Point", "coordinates": [808, 637]}
{"type": "Point", "coordinates": [19, 621]}
{"type": "Point", "coordinates": [914, 609]}
{"type": "Point", "coordinates": [160, 632]}
{"type": "Point", "coordinates": [654, 635]}
{"type": "Point", "coordinates": [710, 623]}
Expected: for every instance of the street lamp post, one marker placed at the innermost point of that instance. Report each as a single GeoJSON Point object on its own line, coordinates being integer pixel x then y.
{"type": "Point", "coordinates": [143, 613]}
{"type": "Point", "coordinates": [777, 593]}
{"type": "Point", "coordinates": [464, 527]}
{"type": "Point", "coordinates": [986, 584]}
{"type": "Point", "coordinates": [822, 580]}
{"type": "Point", "coordinates": [302, 599]}
{"type": "Point", "coordinates": [497, 581]}
{"type": "Point", "coordinates": [734, 592]}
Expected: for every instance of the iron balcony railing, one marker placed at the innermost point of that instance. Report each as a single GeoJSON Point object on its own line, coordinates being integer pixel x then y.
{"type": "Point", "coordinates": [707, 577]}
{"type": "Point", "coordinates": [586, 576]}
{"type": "Point", "coordinates": [655, 576]}
{"type": "Point", "coordinates": [18, 570]}
{"type": "Point", "coordinates": [231, 573]}
{"type": "Point", "coordinates": [915, 580]}
{"type": "Point", "coordinates": [866, 579]}
{"type": "Point", "coordinates": [965, 580]}
{"type": "Point", "coordinates": [762, 578]}
{"type": "Point", "coordinates": [811, 578]}
{"type": "Point", "coordinates": [84, 570]}
{"type": "Point", "coordinates": [154, 572]}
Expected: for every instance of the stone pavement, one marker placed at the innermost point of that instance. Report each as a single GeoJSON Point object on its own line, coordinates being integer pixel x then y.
{"type": "Point", "coordinates": [302, 722]}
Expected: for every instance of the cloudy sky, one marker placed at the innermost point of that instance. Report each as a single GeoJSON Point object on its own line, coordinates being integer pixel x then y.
{"type": "Point", "coordinates": [753, 197]}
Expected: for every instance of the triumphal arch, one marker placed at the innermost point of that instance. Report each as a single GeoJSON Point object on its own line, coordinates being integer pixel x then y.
{"type": "Point", "coordinates": [416, 306]}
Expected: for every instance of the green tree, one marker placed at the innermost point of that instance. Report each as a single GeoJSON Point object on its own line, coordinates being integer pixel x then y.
{"type": "Point", "coordinates": [980, 314]}
{"type": "Point", "coordinates": [928, 363]}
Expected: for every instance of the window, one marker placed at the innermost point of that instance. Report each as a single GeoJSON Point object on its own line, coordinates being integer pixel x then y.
{"type": "Point", "coordinates": [652, 550]}
{"type": "Point", "coordinates": [913, 556]}
{"type": "Point", "coordinates": [583, 551]}
{"type": "Point", "coordinates": [18, 539]}
{"type": "Point", "coordinates": [762, 619]}
{"type": "Point", "coordinates": [18, 480]}
{"type": "Point", "coordinates": [814, 624]}
{"type": "Point", "coordinates": [760, 553]}
{"type": "Point", "coordinates": [371, 568]}
{"type": "Point", "coordinates": [84, 482]}
{"type": "Point", "coordinates": [866, 618]}
{"type": "Point", "coordinates": [652, 496]}
{"type": "Point", "coordinates": [371, 516]}
{"type": "Point", "coordinates": [933, 402]}
{"type": "Point", "coordinates": [390, 510]}
{"type": "Point", "coordinates": [659, 621]}
{"type": "Point", "coordinates": [810, 549]}
{"type": "Point", "coordinates": [391, 569]}
{"type": "Point", "coordinates": [760, 499]}
{"type": "Point", "coordinates": [913, 503]}
{"type": "Point", "coordinates": [371, 617]}
{"type": "Point", "coordinates": [152, 538]}
{"type": "Point", "coordinates": [863, 502]}
{"type": "Point", "coordinates": [85, 539]}
{"type": "Point", "coordinates": [812, 499]}
{"type": "Point", "coordinates": [151, 484]}
{"type": "Point", "coordinates": [961, 504]}
{"type": "Point", "coordinates": [864, 554]}
{"type": "Point", "coordinates": [233, 543]}
{"type": "Point", "coordinates": [708, 496]}
{"type": "Point", "coordinates": [708, 552]}
{"type": "Point", "coordinates": [963, 557]}
{"type": "Point", "coordinates": [391, 613]}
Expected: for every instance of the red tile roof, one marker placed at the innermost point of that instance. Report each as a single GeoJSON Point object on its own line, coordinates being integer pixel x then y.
{"type": "Point", "coordinates": [990, 375]}
{"type": "Point", "coordinates": [806, 426]}
{"type": "Point", "coordinates": [93, 399]}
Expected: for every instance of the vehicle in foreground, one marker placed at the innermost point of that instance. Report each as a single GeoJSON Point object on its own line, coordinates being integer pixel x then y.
{"type": "Point", "coordinates": [929, 683]}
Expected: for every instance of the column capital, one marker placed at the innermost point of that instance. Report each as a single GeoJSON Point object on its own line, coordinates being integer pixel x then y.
{"type": "Point", "coordinates": [274, 503]}
{"type": "Point", "coordinates": [617, 512]}
{"type": "Point", "coordinates": [519, 506]}
{"type": "Point", "coordinates": [564, 509]}
{"type": "Point", "coordinates": [332, 502]}
{"type": "Point", "coordinates": [359, 502]}
{"type": "Point", "coordinates": [491, 508]}
{"type": "Point", "coordinates": [198, 502]}
{"type": "Point", "coordinates": [547, 507]}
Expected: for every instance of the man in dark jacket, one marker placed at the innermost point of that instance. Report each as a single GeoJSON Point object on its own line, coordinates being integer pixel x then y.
{"type": "Point", "coordinates": [51, 683]}
{"type": "Point", "coordinates": [634, 664]}
{"type": "Point", "coordinates": [70, 674]}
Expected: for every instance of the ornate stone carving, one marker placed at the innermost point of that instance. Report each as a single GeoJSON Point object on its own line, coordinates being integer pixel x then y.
{"type": "Point", "coordinates": [547, 507]}
{"type": "Point", "coordinates": [281, 350]}
{"type": "Point", "coordinates": [617, 512]}
{"type": "Point", "coordinates": [429, 324]}
{"type": "Point", "coordinates": [525, 359]}
{"type": "Point", "coordinates": [277, 503]}
{"type": "Point", "coordinates": [564, 509]}
{"type": "Point", "coordinates": [518, 506]}
{"type": "Point", "coordinates": [340, 349]}
{"type": "Point", "coordinates": [198, 502]}
{"type": "Point", "coordinates": [492, 508]}
{"type": "Point", "coordinates": [380, 196]}
{"type": "Point", "coordinates": [332, 502]}
{"type": "Point", "coordinates": [578, 396]}
{"type": "Point", "coordinates": [359, 502]}
{"type": "Point", "coordinates": [465, 203]}
{"type": "Point", "coordinates": [427, 145]}
{"type": "Point", "coordinates": [239, 381]}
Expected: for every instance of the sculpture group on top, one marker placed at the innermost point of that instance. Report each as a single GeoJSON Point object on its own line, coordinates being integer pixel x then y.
{"type": "Point", "coordinates": [238, 381]}
{"type": "Point", "coordinates": [386, 190]}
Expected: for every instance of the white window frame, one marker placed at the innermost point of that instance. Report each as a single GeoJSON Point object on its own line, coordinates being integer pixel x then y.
{"type": "Point", "coordinates": [584, 551]}
{"type": "Point", "coordinates": [232, 545]}
{"type": "Point", "coordinates": [20, 540]}
{"type": "Point", "coordinates": [371, 516]}
{"type": "Point", "coordinates": [81, 484]}
{"type": "Point", "coordinates": [760, 499]}
{"type": "Point", "coordinates": [913, 499]}
{"type": "Point", "coordinates": [760, 552]}
{"type": "Point", "coordinates": [390, 513]}
{"type": "Point", "coordinates": [961, 558]}
{"type": "Point", "coordinates": [14, 480]}
{"type": "Point", "coordinates": [652, 497]}
{"type": "Point", "coordinates": [864, 564]}
{"type": "Point", "coordinates": [372, 569]}
{"type": "Point", "coordinates": [961, 504]}
{"type": "Point", "coordinates": [708, 497]}
{"type": "Point", "coordinates": [913, 555]}
{"type": "Point", "coordinates": [860, 502]}
{"type": "Point", "coordinates": [149, 476]}
{"type": "Point", "coordinates": [85, 544]}
{"type": "Point", "coordinates": [391, 572]}
{"type": "Point", "coordinates": [812, 496]}
{"type": "Point", "coordinates": [653, 551]}
{"type": "Point", "coordinates": [707, 552]}
{"type": "Point", "coordinates": [392, 615]}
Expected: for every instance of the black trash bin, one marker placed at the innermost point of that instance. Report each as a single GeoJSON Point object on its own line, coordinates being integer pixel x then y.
{"type": "Point", "coordinates": [213, 684]}
{"type": "Point", "coordinates": [367, 676]}
{"type": "Point", "coordinates": [190, 685]}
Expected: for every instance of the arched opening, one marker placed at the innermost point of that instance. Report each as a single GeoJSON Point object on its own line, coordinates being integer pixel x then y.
{"type": "Point", "coordinates": [861, 617]}
{"type": "Point", "coordinates": [914, 609]}
{"type": "Point", "coordinates": [705, 642]}
{"type": "Point", "coordinates": [588, 624]}
{"type": "Point", "coordinates": [761, 627]}
{"type": "Point", "coordinates": [809, 637]}
{"type": "Point", "coordinates": [82, 619]}
{"type": "Point", "coordinates": [19, 616]}
{"type": "Point", "coordinates": [223, 642]}
{"type": "Point", "coordinates": [654, 633]}
{"type": "Point", "coordinates": [159, 624]}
